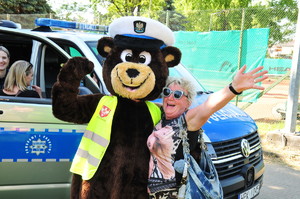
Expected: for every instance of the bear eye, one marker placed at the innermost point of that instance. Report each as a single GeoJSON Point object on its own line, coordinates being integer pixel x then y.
{"type": "Point", "coordinates": [126, 55]}
{"type": "Point", "coordinates": [142, 59]}
{"type": "Point", "coordinates": [145, 58]}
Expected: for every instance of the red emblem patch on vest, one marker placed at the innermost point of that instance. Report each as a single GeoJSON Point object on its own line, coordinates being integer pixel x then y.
{"type": "Point", "coordinates": [104, 111]}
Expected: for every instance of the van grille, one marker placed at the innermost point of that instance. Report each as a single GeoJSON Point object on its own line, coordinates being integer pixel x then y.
{"type": "Point", "coordinates": [230, 160]}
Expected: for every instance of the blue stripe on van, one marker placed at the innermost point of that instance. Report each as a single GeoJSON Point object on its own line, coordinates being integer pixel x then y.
{"type": "Point", "coordinates": [38, 146]}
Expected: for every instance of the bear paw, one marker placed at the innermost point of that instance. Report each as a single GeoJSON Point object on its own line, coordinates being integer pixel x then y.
{"type": "Point", "coordinates": [75, 69]}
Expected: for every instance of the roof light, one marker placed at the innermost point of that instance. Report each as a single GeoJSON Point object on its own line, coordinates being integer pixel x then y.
{"type": "Point", "coordinates": [8, 24]}
{"type": "Point", "coordinates": [69, 24]}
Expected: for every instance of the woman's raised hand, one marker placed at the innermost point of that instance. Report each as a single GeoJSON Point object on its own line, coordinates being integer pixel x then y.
{"type": "Point", "coordinates": [243, 81]}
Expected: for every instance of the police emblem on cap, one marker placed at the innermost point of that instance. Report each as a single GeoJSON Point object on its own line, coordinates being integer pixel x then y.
{"type": "Point", "coordinates": [139, 26]}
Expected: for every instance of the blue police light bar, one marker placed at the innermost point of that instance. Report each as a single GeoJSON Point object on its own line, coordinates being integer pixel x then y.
{"type": "Point", "coordinates": [69, 25]}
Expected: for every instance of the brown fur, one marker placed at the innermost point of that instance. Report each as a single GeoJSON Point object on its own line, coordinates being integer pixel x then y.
{"type": "Point", "coordinates": [123, 171]}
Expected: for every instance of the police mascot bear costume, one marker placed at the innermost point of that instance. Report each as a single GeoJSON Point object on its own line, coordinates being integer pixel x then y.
{"type": "Point", "coordinates": [112, 159]}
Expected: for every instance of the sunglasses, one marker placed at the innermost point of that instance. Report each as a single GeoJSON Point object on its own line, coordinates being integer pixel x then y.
{"type": "Point", "coordinates": [166, 92]}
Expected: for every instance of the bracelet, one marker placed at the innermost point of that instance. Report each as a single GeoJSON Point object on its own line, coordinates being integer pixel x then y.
{"type": "Point", "coordinates": [233, 90]}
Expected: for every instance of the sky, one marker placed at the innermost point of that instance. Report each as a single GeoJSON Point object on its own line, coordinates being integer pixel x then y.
{"type": "Point", "coordinates": [56, 4]}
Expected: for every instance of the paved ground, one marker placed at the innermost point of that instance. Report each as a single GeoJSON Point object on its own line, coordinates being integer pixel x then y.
{"type": "Point", "coordinates": [262, 109]}
{"type": "Point", "coordinates": [280, 182]}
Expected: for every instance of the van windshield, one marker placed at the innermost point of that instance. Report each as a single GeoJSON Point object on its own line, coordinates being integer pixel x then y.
{"type": "Point", "coordinates": [181, 71]}
{"type": "Point", "coordinates": [93, 46]}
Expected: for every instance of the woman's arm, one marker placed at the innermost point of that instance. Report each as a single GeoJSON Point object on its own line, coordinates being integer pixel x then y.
{"type": "Point", "coordinates": [37, 89]}
{"type": "Point", "coordinates": [197, 116]}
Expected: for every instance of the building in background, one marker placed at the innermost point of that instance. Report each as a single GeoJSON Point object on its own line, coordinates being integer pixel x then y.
{"type": "Point", "coordinates": [284, 50]}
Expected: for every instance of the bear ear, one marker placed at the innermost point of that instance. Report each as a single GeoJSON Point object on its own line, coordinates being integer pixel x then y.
{"type": "Point", "coordinates": [172, 55]}
{"type": "Point", "coordinates": [105, 45]}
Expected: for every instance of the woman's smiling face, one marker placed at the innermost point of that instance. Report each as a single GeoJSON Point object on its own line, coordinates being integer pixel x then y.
{"type": "Point", "coordinates": [173, 108]}
{"type": "Point", "coordinates": [4, 60]}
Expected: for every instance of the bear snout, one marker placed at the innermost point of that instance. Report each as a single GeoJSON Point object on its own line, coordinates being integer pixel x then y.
{"type": "Point", "coordinates": [132, 73]}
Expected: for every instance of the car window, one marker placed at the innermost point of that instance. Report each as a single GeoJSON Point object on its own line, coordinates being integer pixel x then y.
{"type": "Point", "coordinates": [86, 87]}
{"type": "Point", "coordinates": [68, 46]}
{"type": "Point", "coordinates": [46, 62]}
{"type": "Point", "coordinates": [182, 72]}
{"type": "Point", "coordinates": [20, 48]}
{"type": "Point", "coordinates": [53, 62]}
{"type": "Point", "coordinates": [75, 53]}
{"type": "Point", "coordinates": [93, 46]}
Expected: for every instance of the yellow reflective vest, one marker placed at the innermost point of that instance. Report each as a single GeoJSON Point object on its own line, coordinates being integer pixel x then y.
{"type": "Point", "coordinates": [96, 138]}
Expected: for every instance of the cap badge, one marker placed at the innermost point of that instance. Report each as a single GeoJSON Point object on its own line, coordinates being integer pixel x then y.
{"type": "Point", "coordinates": [139, 26]}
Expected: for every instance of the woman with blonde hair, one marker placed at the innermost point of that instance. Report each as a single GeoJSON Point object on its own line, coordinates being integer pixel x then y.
{"type": "Point", "coordinates": [4, 62]}
{"type": "Point", "coordinates": [18, 80]}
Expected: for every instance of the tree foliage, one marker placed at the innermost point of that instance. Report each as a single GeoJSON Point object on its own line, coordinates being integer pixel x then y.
{"type": "Point", "coordinates": [129, 7]}
{"type": "Point", "coordinates": [207, 15]}
{"type": "Point", "coordinates": [221, 15]}
{"type": "Point", "coordinates": [162, 10]}
{"type": "Point", "coordinates": [74, 12]}
{"type": "Point", "coordinates": [185, 6]}
{"type": "Point", "coordinates": [24, 7]}
{"type": "Point", "coordinates": [191, 15]}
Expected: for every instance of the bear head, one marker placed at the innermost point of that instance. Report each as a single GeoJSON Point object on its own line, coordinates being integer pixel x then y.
{"type": "Point", "coordinates": [138, 55]}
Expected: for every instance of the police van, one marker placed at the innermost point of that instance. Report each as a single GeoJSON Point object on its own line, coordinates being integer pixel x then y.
{"type": "Point", "coordinates": [36, 149]}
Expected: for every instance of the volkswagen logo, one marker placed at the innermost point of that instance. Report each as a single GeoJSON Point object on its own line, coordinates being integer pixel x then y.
{"type": "Point", "coordinates": [245, 148]}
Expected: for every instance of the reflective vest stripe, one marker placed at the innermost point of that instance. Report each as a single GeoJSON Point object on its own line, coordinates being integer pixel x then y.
{"type": "Point", "coordinates": [96, 138]}
{"type": "Point", "coordinates": [91, 159]}
{"type": "Point", "coordinates": [86, 159]}
{"type": "Point", "coordinates": [87, 170]}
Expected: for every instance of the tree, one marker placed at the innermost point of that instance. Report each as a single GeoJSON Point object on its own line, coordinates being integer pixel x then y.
{"type": "Point", "coordinates": [25, 12]}
{"type": "Point", "coordinates": [106, 11]}
{"type": "Point", "coordinates": [80, 12]}
{"type": "Point", "coordinates": [24, 7]}
{"type": "Point", "coordinates": [221, 15]}
{"type": "Point", "coordinates": [129, 8]}
{"type": "Point", "coordinates": [161, 10]}
{"type": "Point", "coordinates": [199, 13]}
{"type": "Point", "coordinates": [206, 15]}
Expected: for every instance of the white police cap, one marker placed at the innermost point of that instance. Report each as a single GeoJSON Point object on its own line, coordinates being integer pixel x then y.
{"type": "Point", "coordinates": [141, 27]}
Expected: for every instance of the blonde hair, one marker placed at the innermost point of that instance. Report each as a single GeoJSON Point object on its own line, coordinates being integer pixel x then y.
{"type": "Point", "coordinates": [16, 75]}
{"type": "Point", "coordinates": [184, 84]}
{"type": "Point", "coordinates": [2, 48]}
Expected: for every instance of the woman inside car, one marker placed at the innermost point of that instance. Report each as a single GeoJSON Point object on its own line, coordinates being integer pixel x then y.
{"type": "Point", "coordinates": [4, 62]}
{"type": "Point", "coordinates": [19, 79]}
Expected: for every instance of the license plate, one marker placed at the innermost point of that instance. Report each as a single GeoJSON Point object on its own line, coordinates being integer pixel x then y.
{"type": "Point", "coordinates": [251, 193]}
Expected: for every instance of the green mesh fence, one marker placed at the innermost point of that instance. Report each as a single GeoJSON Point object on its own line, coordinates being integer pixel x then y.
{"type": "Point", "coordinates": [214, 57]}
{"type": "Point", "coordinates": [278, 66]}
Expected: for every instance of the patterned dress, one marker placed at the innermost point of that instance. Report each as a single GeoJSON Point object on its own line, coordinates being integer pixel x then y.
{"type": "Point", "coordinates": [165, 147]}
